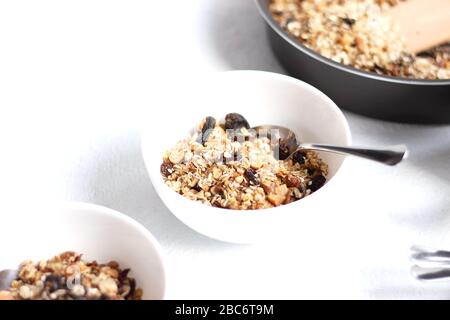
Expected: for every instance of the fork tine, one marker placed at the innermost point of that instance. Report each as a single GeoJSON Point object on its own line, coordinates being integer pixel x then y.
{"type": "Point", "coordinates": [430, 273]}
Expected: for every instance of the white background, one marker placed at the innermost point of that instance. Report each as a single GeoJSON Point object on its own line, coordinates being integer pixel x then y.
{"type": "Point", "coordinates": [79, 78]}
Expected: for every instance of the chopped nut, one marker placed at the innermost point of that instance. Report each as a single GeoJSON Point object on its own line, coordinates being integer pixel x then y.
{"type": "Point", "coordinates": [269, 187]}
{"type": "Point", "coordinates": [108, 287]}
{"type": "Point", "coordinates": [217, 173]}
{"type": "Point", "coordinates": [256, 165]}
{"type": "Point", "coordinates": [279, 196]}
{"type": "Point", "coordinates": [176, 156]}
{"type": "Point", "coordinates": [93, 293]}
{"type": "Point", "coordinates": [78, 290]}
{"type": "Point", "coordinates": [292, 181]}
{"type": "Point", "coordinates": [239, 179]}
{"type": "Point", "coordinates": [26, 292]}
{"type": "Point", "coordinates": [113, 273]}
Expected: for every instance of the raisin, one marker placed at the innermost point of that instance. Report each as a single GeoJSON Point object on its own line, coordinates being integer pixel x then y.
{"type": "Point", "coordinates": [316, 183]}
{"type": "Point", "coordinates": [166, 168]}
{"type": "Point", "coordinates": [132, 287]}
{"type": "Point", "coordinates": [250, 174]}
{"type": "Point", "coordinates": [235, 121]}
{"type": "Point", "coordinates": [287, 146]}
{"type": "Point", "coordinates": [52, 283]}
{"type": "Point", "coordinates": [124, 274]}
{"type": "Point", "coordinates": [311, 171]}
{"type": "Point", "coordinates": [298, 157]}
{"type": "Point", "coordinates": [207, 128]}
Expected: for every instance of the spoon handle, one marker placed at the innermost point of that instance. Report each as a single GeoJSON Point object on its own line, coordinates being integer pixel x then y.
{"type": "Point", "coordinates": [387, 155]}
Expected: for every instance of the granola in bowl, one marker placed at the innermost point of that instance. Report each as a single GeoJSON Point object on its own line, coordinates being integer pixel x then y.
{"type": "Point", "coordinates": [68, 277]}
{"type": "Point", "coordinates": [358, 34]}
{"type": "Point", "coordinates": [228, 165]}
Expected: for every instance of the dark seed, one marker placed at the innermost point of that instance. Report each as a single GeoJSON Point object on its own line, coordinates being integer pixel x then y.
{"type": "Point", "coordinates": [426, 54]}
{"type": "Point", "coordinates": [123, 274]}
{"type": "Point", "coordinates": [52, 283]}
{"type": "Point", "coordinates": [349, 21]}
{"type": "Point", "coordinates": [208, 126]}
{"type": "Point", "coordinates": [250, 174]}
{"type": "Point", "coordinates": [298, 157]}
{"type": "Point", "coordinates": [287, 146]}
{"type": "Point", "coordinates": [317, 183]}
{"type": "Point", "coordinates": [166, 168]}
{"type": "Point", "coordinates": [217, 204]}
{"type": "Point", "coordinates": [132, 287]}
{"type": "Point", "coordinates": [379, 69]}
{"type": "Point", "coordinates": [235, 121]}
{"type": "Point", "coordinates": [197, 188]}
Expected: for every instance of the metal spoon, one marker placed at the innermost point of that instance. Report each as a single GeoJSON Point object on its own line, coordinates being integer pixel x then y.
{"type": "Point", "coordinates": [6, 278]}
{"type": "Point", "coordinates": [388, 155]}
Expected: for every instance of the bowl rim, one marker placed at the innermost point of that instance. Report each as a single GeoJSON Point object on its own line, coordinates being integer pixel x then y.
{"type": "Point", "coordinates": [265, 13]}
{"type": "Point", "coordinates": [56, 209]}
{"type": "Point", "coordinates": [157, 180]}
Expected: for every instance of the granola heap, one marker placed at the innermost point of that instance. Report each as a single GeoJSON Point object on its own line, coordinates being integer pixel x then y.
{"type": "Point", "coordinates": [356, 33]}
{"type": "Point", "coordinates": [229, 166]}
{"type": "Point", "coordinates": [68, 277]}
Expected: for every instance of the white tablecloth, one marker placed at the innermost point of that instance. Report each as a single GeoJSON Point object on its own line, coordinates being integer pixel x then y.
{"type": "Point", "coordinates": [79, 78]}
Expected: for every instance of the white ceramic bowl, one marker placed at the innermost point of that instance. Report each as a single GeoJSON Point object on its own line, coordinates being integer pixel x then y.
{"type": "Point", "coordinates": [97, 232]}
{"type": "Point", "coordinates": [262, 98]}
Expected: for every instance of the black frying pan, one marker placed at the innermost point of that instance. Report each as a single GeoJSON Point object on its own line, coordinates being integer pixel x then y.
{"type": "Point", "coordinates": [384, 97]}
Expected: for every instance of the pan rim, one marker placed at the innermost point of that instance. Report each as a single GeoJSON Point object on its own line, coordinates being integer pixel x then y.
{"type": "Point", "coordinates": [264, 11]}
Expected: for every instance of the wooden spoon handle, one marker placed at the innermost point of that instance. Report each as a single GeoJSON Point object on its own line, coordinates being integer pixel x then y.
{"type": "Point", "coordinates": [423, 23]}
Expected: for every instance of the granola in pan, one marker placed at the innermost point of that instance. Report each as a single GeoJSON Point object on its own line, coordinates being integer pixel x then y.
{"type": "Point", "coordinates": [68, 277]}
{"type": "Point", "coordinates": [356, 33]}
{"type": "Point", "coordinates": [227, 165]}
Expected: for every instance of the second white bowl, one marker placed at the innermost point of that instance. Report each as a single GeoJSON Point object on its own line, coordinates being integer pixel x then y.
{"type": "Point", "coordinates": [101, 234]}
